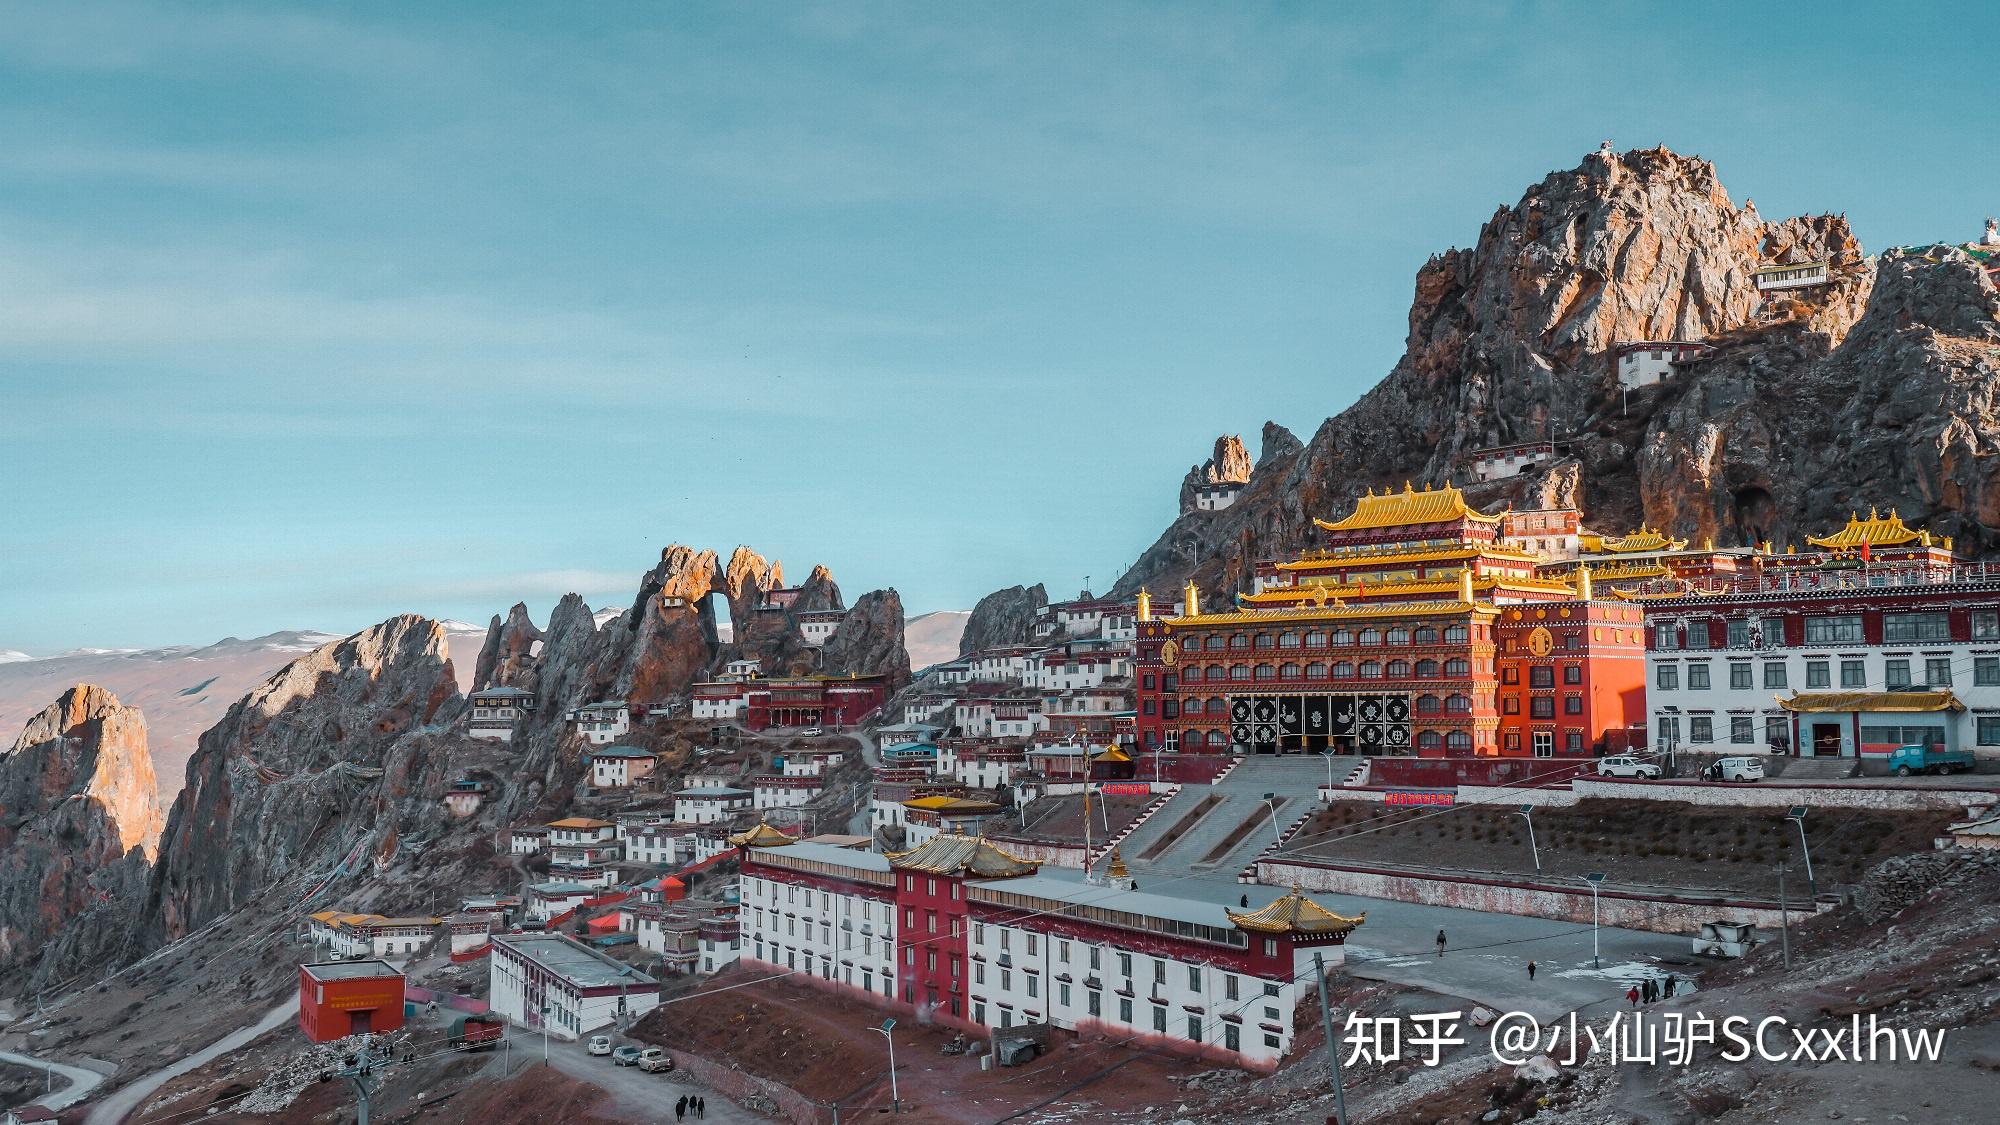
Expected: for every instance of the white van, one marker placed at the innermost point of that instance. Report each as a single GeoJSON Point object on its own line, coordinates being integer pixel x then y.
{"type": "Point", "coordinates": [1737, 769]}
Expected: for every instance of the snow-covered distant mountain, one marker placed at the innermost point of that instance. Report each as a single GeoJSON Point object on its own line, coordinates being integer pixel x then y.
{"type": "Point", "coordinates": [13, 656]}
{"type": "Point", "coordinates": [932, 638]}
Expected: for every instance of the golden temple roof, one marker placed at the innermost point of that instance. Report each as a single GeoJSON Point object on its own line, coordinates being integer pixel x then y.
{"type": "Point", "coordinates": [1294, 913]}
{"type": "Point", "coordinates": [1875, 531]}
{"type": "Point", "coordinates": [951, 804]}
{"type": "Point", "coordinates": [1315, 560]}
{"type": "Point", "coordinates": [1821, 702]}
{"type": "Point", "coordinates": [1410, 506]}
{"type": "Point", "coordinates": [1334, 612]}
{"type": "Point", "coordinates": [1111, 754]}
{"type": "Point", "coordinates": [1310, 590]}
{"type": "Point", "coordinates": [762, 836]}
{"type": "Point", "coordinates": [949, 854]}
{"type": "Point", "coordinates": [1644, 539]}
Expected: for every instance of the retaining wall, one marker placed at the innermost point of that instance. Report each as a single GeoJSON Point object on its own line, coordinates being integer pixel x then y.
{"type": "Point", "coordinates": [1634, 910]}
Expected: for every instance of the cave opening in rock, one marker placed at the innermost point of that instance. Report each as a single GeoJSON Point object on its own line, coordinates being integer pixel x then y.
{"type": "Point", "coordinates": [1754, 512]}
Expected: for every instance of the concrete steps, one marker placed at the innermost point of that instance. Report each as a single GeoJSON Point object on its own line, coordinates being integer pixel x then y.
{"type": "Point", "coordinates": [1819, 769]}
{"type": "Point", "coordinates": [1238, 825]}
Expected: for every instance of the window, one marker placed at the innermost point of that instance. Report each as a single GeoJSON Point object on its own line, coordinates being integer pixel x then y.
{"type": "Point", "coordinates": [1985, 624]}
{"type": "Point", "coordinates": [1572, 704]}
{"type": "Point", "coordinates": [1229, 986]}
{"type": "Point", "coordinates": [1774, 675]}
{"type": "Point", "coordinates": [1541, 676]}
{"type": "Point", "coordinates": [1096, 1004]}
{"type": "Point", "coordinates": [1240, 640]}
{"type": "Point", "coordinates": [1425, 635]}
{"type": "Point", "coordinates": [1125, 964]}
{"type": "Point", "coordinates": [1818, 674]}
{"type": "Point", "coordinates": [1454, 634]}
{"type": "Point", "coordinates": [1342, 637]}
{"type": "Point", "coordinates": [1288, 640]}
{"type": "Point", "coordinates": [1739, 633]}
{"type": "Point", "coordinates": [1697, 677]}
{"type": "Point", "coordinates": [1159, 1018]}
{"type": "Point", "coordinates": [1915, 627]}
{"type": "Point", "coordinates": [1398, 636]}
{"type": "Point", "coordinates": [1194, 977]}
{"type": "Point", "coordinates": [1371, 670]}
{"type": "Point", "coordinates": [1194, 1028]}
{"type": "Point", "coordinates": [1545, 744]}
{"type": "Point", "coordinates": [1739, 676]}
{"type": "Point", "coordinates": [1986, 671]}
{"type": "Point", "coordinates": [1232, 1039]}
{"type": "Point", "coordinates": [1666, 636]}
{"type": "Point", "coordinates": [1458, 704]}
{"type": "Point", "coordinates": [1288, 672]}
{"type": "Point", "coordinates": [1937, 671]}
{"type": "Point", "coordinates": [1854, 673]}
{"type": "Point", "coordinates": [1159, 972]}
{"type": "Point", "coordinates": [1510, 675]}
{"type": "Point", "coordinates": [1572, 673]}
{"type": "Point", "coordinates": [1370, 637]}
{"type": "Point", "coordinates": [1458, 740]}
{"type": "Point", "coordinates": [1777, 732]}
{"type": "Point", "coordinates": [1513, 740]}
{"type": "Point", "coordinates": [1034, 985]}
{"type": "Point", "coordinates": [1701, 728]}
{"type": "Point", "coordinates": [1511, 705]}
{"type": "Point", "coordinates": [1541, 707]}
{"type": "Point", "coordinates": [1343, 671]}
{"type": "Point", "coordinates": [1266, 641]}
{"type": "Point", "coordinates": [1741, 730]}
{"type": "Point", "coordinates": [1125, 1009]}
{"type": "Point", "coordinates": [1239, 671]}
{"type": "Point", "coordinates": [1431, 704]}
{"type": "Point", "coordinates": [1398, 670]}
{"type": "Point", "coordinates": [1316, 671]}
{"type": "Point", "coordinates": [1315, 639]}
{"type": "Point", "coordinates": [1458, 666]}
{"type": "Point", "coordinates": [1895, 674]}
{"type": "Point", "coordinates": [979, 972]}
{"type": "Point", "coordinates": [1062, 994]}
{"type": "Point", "coordinates": [1266, 672]}
{"type": "Point", "coordinates": [1697, 635]}
{"type": "Point", "coordinates": [1833, 630]}
{"type": "Point", "coordinates": [1989, 730]}
{"type": "Point", "coordinates": [1667, 677]}
{"type": "Point", "coordinates": [1427, 669]}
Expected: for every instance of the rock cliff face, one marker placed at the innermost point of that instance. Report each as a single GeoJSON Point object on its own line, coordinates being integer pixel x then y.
{"type": "Point", "coordinates": [297, 780]}
{"type": "Point", "coordinates": [82, 821]}
{"type": "Point", "coordinates": [672, 624]}
{"type": "Point", "coordinates": [1003, 617]}
{"type": "Point", "coordinates": [509, 653]}
{"type": "Point", "coordinates": [1231, 462]}
{"type": "Point", "coordinates": [869, 640]}
{"type": "Point", "coordinates": [1511, 340]}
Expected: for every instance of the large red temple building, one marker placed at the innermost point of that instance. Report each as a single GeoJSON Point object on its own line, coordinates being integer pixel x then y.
{"type": "Point", "coordinates": [1416, 627]}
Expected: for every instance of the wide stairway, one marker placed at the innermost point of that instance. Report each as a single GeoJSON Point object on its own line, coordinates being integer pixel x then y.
{"type": "Point", "coordinates": [1219, 828]}
{"type": "Point", "coordinates": [1818, 769]}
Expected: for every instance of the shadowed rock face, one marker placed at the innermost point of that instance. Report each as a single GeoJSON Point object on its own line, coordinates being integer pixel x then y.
{"type": "Point", "coordinates": [1860, 392]}
{"type": "Point", "coordinates": [509, 653]}
{"type": "Point", "coordinates": [1003, 617]}
{"type": "Point", "coordinates": [292, 780]}
{"type": "Point", "coordinates": [1231, 462]}
{"type": "Point", "coordinates": [869, 640]}
{"type": "Point", "coordinates": [82, 820]}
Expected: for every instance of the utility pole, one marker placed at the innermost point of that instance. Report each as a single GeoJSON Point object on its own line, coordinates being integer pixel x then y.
{"type": "Point", "coordinates": [1528, 813]}
{"type": "Point", "coordinates": [1784, 919]}
{"type": "Point", "coordinates": [360, 1073]}
{"type": "Point", "coordinates": [1332, 1044]}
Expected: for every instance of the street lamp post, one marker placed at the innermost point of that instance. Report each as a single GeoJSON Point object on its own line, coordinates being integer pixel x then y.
{"type": "Point", "coordinates": [1527, 813]}
{"type": "Point", "coordinates": [1797, 815]}
{"type": "Point", "coordinates": [895, 1098]}
{"type": "Point", "coordinates": [1592, 880]}
{"type": "Point", "coordinates": [1277, 833]}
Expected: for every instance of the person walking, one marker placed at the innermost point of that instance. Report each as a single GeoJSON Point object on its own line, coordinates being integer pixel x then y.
{"type": "Point", "coordinates": [1246, 902]}
{"type": "Point", "coordinates": [681, 1108]}
{"type": "Point", "coordinates": [1649, 990]}
{"type": "Point", "coordinates": [701, 1106]}
{"type": "Point", "coordinates": [1670, 985]}
{"type": "Point", "coordinates": [1531, 972]}
{"type": "Point", "coordinates": [1632, 994]}
{"type": "Point", "coordinates": [1440, 943]}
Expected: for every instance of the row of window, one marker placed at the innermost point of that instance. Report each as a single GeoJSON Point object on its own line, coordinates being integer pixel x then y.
{"type": "Point", "coordinates": [1193, 740]}
{"type": "Point", "coordinates": [1457, 668]}
{"type": "Point", "coordinates": [1831, 629]}
{"type": "Point", "coordinates": [1315, 638]}
{"type": "Point", "coordinates": [1898, 674]}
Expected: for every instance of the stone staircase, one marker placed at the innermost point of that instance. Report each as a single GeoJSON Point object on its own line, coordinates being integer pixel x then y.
{"type": "Point", "coordinates": [1236, 828]}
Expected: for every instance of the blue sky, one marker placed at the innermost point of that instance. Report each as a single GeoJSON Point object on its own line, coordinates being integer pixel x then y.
{"type": "Point", "coordinates": [310, 314]}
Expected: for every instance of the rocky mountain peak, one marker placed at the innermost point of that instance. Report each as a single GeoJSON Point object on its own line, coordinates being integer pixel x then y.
{"type": "Point", "coordinates": [82, 824]}
{"type": "Point", "coordinates": [1230, 463]}
{"type": "Point", "coordinates": [1003, 617]}
{"type": "Point", "coordinates": [509, 652]}
{"type": "Point", "coordinates": [869, 640]}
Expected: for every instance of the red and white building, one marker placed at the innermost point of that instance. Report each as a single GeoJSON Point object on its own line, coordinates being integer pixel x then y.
{"type": "Point", "coordinates": [783, 792]}
{"type": "Point", "coordinates": [711, 805]}
{"type": "Point", "coordinates": [601, 724]}
{"type": "Point", "coordinates": [619, 767]}
{"type": "Point", "coordinates": [549, 981]}
{"type": "Point", "coordinates": [969, 936]}
{"type": "Point", "coordinates": [1642, 363]}
{"type": "Point", "coordinates": [818, 625]}
{"type": "Point", "coordinates": [495, 711]}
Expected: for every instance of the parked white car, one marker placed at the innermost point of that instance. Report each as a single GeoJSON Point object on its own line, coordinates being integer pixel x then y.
{"type": "Point", "coordinates": [1737, 769]}
{"type": "Point", "coordinates": [811, 732]}
{"type": "Point", "coordinates": [600, 1045]}
{"type": "Point", "coordinates": [1627, 766]}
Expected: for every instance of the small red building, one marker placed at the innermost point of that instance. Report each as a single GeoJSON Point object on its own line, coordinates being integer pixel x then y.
{"type": "Point", "coordinates": [342, 998]}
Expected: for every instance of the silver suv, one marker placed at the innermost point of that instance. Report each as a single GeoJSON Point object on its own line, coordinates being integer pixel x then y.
{"type": "Point", "coordinates": [1627, 766]}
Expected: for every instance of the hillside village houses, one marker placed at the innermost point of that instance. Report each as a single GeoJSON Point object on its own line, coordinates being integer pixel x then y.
{"type": "Point", "coordinates": [616, 767]}
{"type": "Point", "coordinates": [353, 936]}
{"type": "Point", "coordinates": [711, 804]}
{"type": "Point", "coordinates": [602, 724]}
{"type": "Point", "coordinates": [494, 712]}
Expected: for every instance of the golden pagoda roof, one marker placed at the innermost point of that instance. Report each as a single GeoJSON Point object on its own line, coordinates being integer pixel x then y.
{"type": "Point", "coordinates": [1821, 702]}
{"type": "Point", "coordinates": [762, 836]}
{"type": "Point", "coordinates": [1644, 539]}
{"type": "Point", "coordinates": [1311, 589]}
{"type": "Point", "coordinates": [1294, 913]}
{"type": "Point", "coordinates": [1315, 560]}
{"type": "Point", "coordinates": [950, 854]}
{"type": "Point", "coordinates": [943, 803]}
{"type": "Point", "coordinates": [1111, 754]}
{"type": "Point", "coordinates": [1333, 612]}
{"type": "Point", "coordinates": [1410, 506]}
{"type": "Point", "coordinates": [1875, 531]}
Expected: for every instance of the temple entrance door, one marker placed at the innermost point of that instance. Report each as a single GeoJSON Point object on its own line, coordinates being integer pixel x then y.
{"type": "Point", "coordinates": [1826, 740]}
{"type": "Point", "coordinates": [1343, 744]}
{"type": "Point", "coordinates": [1315, 744]}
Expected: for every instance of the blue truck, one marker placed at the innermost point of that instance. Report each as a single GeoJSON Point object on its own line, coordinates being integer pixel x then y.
{"type": "Point", "coordinates": [1917, 758]}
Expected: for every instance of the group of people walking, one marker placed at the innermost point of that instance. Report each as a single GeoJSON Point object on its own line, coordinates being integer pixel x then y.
{"type": "Point", "coordinates": [690, 1104]}
{"type": "Point", "coordinates": [1651, 989]}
